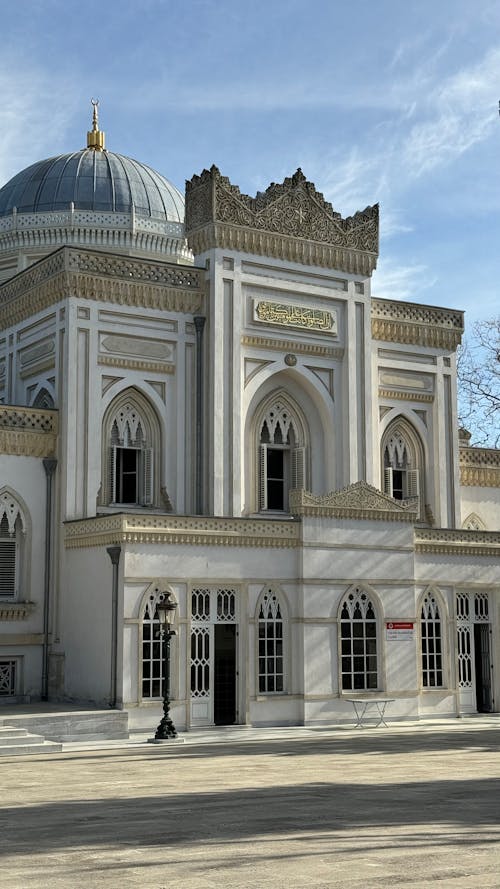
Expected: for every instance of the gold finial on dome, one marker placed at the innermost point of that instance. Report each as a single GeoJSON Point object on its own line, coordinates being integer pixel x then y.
{"type": "Point", "coordinates": [95, 136]}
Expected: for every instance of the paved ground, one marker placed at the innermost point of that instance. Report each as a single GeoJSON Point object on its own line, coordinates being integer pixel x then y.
{"type": "Point", "coordinates": [415, 806]}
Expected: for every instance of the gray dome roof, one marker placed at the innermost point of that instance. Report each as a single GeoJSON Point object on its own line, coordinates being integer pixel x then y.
{"type": "Point", "coordinates": [93, 180]}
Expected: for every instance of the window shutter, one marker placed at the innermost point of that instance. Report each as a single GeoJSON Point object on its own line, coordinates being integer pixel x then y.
{"type": "Point", "coordinates": [147, 476]}
{"type": "Point", "coordinates": [262, 476]}
{"type": "Point", "coordinates": [413, 483]}
{"type": "Point", "coordinates": [7, 567]}
{"type": "Point", "coordinates": [388, 489]}
{"type": "Point", "coordinates": [298, 468]}
{"type": "Point", "coordinates": [112, 474]}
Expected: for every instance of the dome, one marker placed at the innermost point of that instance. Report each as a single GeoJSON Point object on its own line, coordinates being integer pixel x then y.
{"type": "Point", "coordinates": [99, 181]}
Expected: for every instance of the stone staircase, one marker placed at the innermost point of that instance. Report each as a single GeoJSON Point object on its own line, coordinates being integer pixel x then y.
{"type": "Point", "coordinates": [19, 742]}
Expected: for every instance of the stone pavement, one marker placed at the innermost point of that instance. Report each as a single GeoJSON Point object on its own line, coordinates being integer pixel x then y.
{"type": "Point", "coordinates": [411, 805]}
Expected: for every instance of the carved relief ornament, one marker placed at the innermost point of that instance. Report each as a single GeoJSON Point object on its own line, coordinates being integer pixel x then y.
{"type": "Point", "coordinates": [291, 220]}
{"type": "Point", "coordinates": [357, 501]}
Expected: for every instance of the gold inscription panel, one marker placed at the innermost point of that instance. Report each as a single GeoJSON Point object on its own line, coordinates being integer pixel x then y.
{"type": "Point", "coordinates": [288, 315]}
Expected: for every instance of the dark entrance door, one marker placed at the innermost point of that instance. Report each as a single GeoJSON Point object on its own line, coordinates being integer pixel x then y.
{"type": "Point", "coordinates": [483, 667]}
{"type": "Point", "coordinates": [225, 674]}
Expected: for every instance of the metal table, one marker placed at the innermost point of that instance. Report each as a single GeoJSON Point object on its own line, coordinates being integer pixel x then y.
{"type": "Point", "coordinates": [362, 705]}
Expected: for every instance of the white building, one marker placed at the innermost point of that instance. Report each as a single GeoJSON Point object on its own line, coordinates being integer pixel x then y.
{"type": "Point", "coordinates": [221, 406]}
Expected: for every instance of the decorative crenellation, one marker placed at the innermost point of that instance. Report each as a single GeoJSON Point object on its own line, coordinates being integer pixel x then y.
{"type": "Point", "coordinates": [459, 542]}
{"type": "Point", "coordinates": [28, 418]}
{"type": "Point", "coordinates": [358, 501]}
{"type": "Point", "coordinates": [289, 220]}
{"type": "Point", "coordinates": [90, 274]}
{"type": "Point", "coordinates": [402, 322]}
{"type": "Point", "coordinates": [479, 467]}
{"type": "Point", "coordinates": [188, 530]}
{"type": "Point", "coordinates": [261, 342]}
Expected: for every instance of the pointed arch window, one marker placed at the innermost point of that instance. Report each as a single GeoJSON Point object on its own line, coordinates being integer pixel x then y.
{"type": "Point", "coordinates": [358, 642]}
{"type": "Point", "coordinates": [281, 456]}
{"type": "Point", "coordinates": [152, 648]}
{"type": "Point", "coordinates": [271, 655]}
{"type": "Point", "coordinates": [12, 531]}
{"type": "Point", "coordinates": [131, 455]}
{"type": "Point", "coordinates": [432, 643]}
{"type": "Point", "coordinates": [401, 474]}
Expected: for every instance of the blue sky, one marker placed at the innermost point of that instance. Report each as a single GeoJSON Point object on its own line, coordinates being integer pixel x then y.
{"type": "Point", "coordinates": [393, 101]}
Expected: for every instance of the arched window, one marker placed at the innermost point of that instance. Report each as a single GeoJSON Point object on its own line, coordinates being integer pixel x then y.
{"type": "Point", "coordinates": [403, 465]}
{"type": "Point", "coordinates": [131, 452]}
{"type": "Point", "coordinates": [473, 523]}
{"type": "Point", "coordinates": [152, 647]}
{"type": "Point", "coordinates": [12, 529]}
{"type": "Point", "coordinates": [43, 399]}
{"type": "Point", "coordinates": [281, 455]}
{"type": "Point", "coordinates": [358, 642]}
{"type": "Point", "coordinates": [271, 655]}
{"type": "Point", "coordinates": [432, 645]}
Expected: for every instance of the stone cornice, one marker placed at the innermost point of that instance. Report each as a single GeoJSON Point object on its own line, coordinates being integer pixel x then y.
{"type": "Point", "coordinates": [457, 542]}
{"type": "Point", "coordinates": [480, 467]}
{"type": "Point", "coordinates": [160, 367]}
{"type": "Point", "coordinates": [107, 277]}
{"type": "Point", "coordinates": [357, 501]}
{"type": "Point", "coordinates": [290, 221]}
{"type": "Point", "coordinates": [301, 347]}
{"type": "Point", "coordinates": [16, 610]}
{"type": "Point", "coordinates": [400, 395]}
{"type": "Point", "coordinates": [188, 530]}
{"type": "Point", "coordinates": [419, 325]}
{"type": "Point", "coordinates": [28, 432]}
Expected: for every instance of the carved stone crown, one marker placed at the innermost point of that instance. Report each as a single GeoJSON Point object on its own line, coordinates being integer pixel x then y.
{"type": "Point", "coordinates": [218, 214]}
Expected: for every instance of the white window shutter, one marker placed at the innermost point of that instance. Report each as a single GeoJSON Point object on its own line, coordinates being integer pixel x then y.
{"type": "Point", "coordinates": [413, 483]}
{"type": "Point", "coordinates": [262, 476]}
{"type": "Point", "coordinates": [298, 479]}
{"type": "Point", "coordinates": [388, 489]}
{"type": "Point", "coordinates": [147, 476]}
{"type": "Point", "coordinates": [113, 493]}
{"type": "Point", "coordinates": [8, 552]}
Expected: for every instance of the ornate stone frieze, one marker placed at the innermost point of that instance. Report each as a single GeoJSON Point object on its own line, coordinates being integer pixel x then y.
{"type": "Point", "coordinates": [357, 501]}
{"type": "Point", "coordinates": [93, 274]}
{"type": "Point", "coordinates": [459, 542]}
{"type": "Point", "coordinates": [16, 610]}
{"type": "Point", "coordinates": [188, 530]}
{"type": "Point", "coordinates": [290, 220]}
{"type": "Point", "coordinates": [28, 432]}
{"type": "Point", "coordinates": [480, 467]}
{"type": "Point", "coordinates": [261, 342]}
{"type": "Point", "coordinates": [402, 322]}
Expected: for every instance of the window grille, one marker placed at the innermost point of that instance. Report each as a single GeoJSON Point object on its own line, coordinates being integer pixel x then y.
{"type": "Point", "coordinates": [152, 651]}
{"type": "Point", "coordinates": [432, 654]}
{"type": "Point", "coordinates": [358, 632]}
{"type": "Point", "coordinates": [8, 670]}
{"type": "Point", "coordinates": [271, 654]}
{"type": "Point", "coordinates": [12, 528]}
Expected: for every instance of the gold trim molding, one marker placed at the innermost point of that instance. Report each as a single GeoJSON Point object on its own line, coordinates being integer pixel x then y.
{"type": "Point", "coordinates": [135, 364]}
{"type": "Point", "coordinates": [405, 396]}
{"type": "Point", "coordinates": [480, 467]}
{"type": "Point", "coordinates": [105, 277]}
{"type": "Point", "coordinates": [187, 530]}
{"type": "Point", "coordinates": [16, 610]}
{"type": "Point", "coordinates": [261, 342]}
{"type": "Point", "coordinates": [418, 325]}
{"type": "Point", "coordinates": [457, 542]}
{"type": "Point", "coordinates": [357, 501]}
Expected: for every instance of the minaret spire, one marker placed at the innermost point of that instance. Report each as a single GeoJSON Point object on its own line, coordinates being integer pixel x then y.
{"type": "Point", "coordinates": [95, 136]}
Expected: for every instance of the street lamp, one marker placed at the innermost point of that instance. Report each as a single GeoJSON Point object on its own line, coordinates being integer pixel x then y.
{"type": "Point", "coordinates": [166, 608]}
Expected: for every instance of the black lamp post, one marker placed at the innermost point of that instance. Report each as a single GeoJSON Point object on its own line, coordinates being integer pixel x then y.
{"type": "Point", "coordinates": [166, 608]}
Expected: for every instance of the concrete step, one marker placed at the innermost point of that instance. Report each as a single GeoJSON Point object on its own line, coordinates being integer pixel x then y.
{"type": "Point", "coordinates": [69, 725]}
{"type": "Point", "coordinates": [21, 739]}
{"type": "Point", "coordinates": [8, 731]}
{"type": "Point", "coordinates": [28, 747]}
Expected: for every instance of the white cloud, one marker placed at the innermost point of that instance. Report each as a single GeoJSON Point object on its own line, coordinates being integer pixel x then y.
{"type": "Point", "coordinates": [406, 282]}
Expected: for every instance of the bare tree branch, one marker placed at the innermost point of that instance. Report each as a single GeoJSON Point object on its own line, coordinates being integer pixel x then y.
{"type": "Point", "coordinates": [478, 369]}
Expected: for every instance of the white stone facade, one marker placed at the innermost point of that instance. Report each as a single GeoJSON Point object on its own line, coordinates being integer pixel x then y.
{"type": "Point", "coordinates": [267, 442]}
